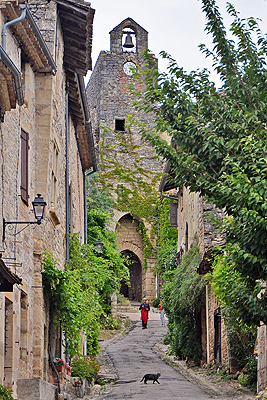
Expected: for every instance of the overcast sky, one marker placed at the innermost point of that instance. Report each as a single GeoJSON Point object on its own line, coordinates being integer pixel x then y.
{"type": "Point", "coordinates": [176, 26]}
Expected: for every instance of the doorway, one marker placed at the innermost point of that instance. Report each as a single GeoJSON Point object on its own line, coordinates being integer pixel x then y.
{"type": "Point", "coordinates": [217, 337]}
{"type": "Point", "coordinates": [134, 291]}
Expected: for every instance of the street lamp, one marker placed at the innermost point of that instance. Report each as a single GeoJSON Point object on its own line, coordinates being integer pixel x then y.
{"type": "Point", "coordinates": [99, 246]}
{"type": "Point", "coordinates": [38, 209]}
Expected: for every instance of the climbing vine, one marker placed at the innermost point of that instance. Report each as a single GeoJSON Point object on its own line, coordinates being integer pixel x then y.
{"type": "Point", "coordinates": [80, 294]}
{"type": "Point", "coordinates": [74, 301]}
{"type": "Point", "coordinates": [132, 185]}
{"type": "Point", "coordinates": [167, 237]}
{"type": "Point", "coordinates": [183, 297]}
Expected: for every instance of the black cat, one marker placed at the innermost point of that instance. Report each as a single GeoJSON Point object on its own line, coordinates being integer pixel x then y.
{"type": "Point", "coordinates": [151, 377]}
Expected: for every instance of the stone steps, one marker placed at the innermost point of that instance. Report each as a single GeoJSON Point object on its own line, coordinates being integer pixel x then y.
{"type": "Point", "coordinates": [130, 307]}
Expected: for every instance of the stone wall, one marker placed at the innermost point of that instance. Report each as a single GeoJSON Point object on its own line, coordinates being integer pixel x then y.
{"type": "Point", "coordinates": [24, 314]}
{"type": "Point", "coordinates": [129, 239]}
{"type": "Point", "coordinates": [195, 228]}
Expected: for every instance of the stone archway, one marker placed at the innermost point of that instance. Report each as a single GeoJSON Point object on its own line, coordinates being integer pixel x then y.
{"type": "Point", "coordinates": [134, 291]}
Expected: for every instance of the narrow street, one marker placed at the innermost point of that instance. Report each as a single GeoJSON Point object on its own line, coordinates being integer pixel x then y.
{"type": "Point", "coordinates": [133, 356]}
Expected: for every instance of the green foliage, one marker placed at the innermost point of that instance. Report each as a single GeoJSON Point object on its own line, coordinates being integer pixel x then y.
{"type": "Point", "coordinates": [109, 323]}
{"type": "Point", "coordinates": [167, 237]}
{"type": "Point", "coordinates": [129, 181]}
{"type": "Point", "coordinates": [73, 298]}
{"type": "Point", "coordinates": [111, 266]}
{"type": "Point", "coordinates": [79, 295]}
{"type": "Point", "coordinates": [155, 302]}
{"type": "Point", "coordinates": [85, 367]}
{"type": "Point", "coordinates": [220, 140]}
{"type": "Point", "coordinates": [5, 393]}
{"type": "Point", "coordinates": [125, 172]}
{"type": "Point", "coordinates": [183, 297]}
{"type": "Point", "coordinates": [230, 288]}
{"type": "Point", "coordinates": [249, 376]}
{"type": "Point", "coordinates": [97, 199]}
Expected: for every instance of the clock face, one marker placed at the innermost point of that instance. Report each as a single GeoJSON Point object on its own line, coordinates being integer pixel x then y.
{"type": "Point", "coordinates": [129, 68]}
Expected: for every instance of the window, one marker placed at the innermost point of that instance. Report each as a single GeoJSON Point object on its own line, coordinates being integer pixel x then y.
{"type": "Point", "coordinates": [24, 190]}
{"type": "Point", "coordinates": [173, 214]}
{"type": "Point", "coordinates": [120, 125]}
{"type": "Point", "coordinates": [186, 237]}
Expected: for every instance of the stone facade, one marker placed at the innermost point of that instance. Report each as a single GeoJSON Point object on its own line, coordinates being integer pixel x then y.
{"type": "Point", "coordinates": [54, 152]}
{"type": "Point", "coordinates": [110, 102]}
{"type": "Point", "coordinates": [194, 227]}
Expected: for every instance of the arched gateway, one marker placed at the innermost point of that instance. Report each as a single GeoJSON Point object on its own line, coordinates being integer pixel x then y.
{"type": "Point", "coordinates": [134, 291]}
{"type": "Point", "coordinates": [142, 280]}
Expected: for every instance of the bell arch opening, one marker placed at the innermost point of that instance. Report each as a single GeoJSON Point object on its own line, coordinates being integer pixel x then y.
{"type": "Point", "coordinates": [134, 291]}
{"type": "Point", "coordinates": [128, 40]}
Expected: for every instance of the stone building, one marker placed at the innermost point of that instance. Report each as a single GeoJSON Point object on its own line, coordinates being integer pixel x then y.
{"type": "Point", "coordinates": [46, 147]}
{"type": "Point", "coordinates": [191, 217]}
{"type": "Point", "coordinates": [110, 102]}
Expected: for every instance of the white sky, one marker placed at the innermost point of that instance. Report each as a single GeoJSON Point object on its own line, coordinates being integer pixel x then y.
{"type": "Point", "coordinates": [176, 26]}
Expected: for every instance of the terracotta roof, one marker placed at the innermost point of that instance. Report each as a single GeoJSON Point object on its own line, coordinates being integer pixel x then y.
{"type": "Point", "coordinates": [80, 116]}
{"type": "Point", "coordinates": [7, 92]}
{"type": "Point", "coordinates": [77, 24]}
{"type": "Point", "coordinates": [29, 37]}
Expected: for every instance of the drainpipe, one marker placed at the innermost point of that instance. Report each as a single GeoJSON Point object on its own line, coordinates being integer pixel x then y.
{"type": "Point", "coordinates": [207, 324]}
{"type": "Point", "coordinates": [85, 204]}
{"type": "Point", "coordinates": [67, 195]}
{"type": "Point", "coordinates": [14, 21]}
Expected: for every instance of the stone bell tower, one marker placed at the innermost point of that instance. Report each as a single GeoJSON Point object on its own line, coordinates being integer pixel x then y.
{"type": "Point", "coordinates": [110, 102]}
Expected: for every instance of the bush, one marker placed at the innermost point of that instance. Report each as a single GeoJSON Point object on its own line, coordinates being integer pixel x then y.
{"type": "Point", "coordinates": [85, 367]}
{"type": "Point", "coordinates": [155, 302]}
{"type": "Point", "coordinates": [183, 296]}
{"type": "Point", "coordinates": [249, 377]}
{"type": "Point", "coordinates": [5, 393]}
{"type": "Point", "coordinates": [109, 323]}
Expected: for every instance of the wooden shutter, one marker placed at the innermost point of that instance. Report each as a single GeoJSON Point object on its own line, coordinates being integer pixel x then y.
{"type": "Point", "coordinates": [24, 166]}
{"type": "Point", "coordinates": [173, 214]}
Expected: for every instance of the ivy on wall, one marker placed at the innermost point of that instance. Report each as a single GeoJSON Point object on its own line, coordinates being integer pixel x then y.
{"type": "Point", "coordinates": [230, 289]}
{"type": "Point", "coordinates": [183, 297]}
{"type": "Point", "coordinates": [133, 188]}
{"type": "Point", "coordinates": [79, 295]}
{"type": "Point", "coordinates": [74, 301]}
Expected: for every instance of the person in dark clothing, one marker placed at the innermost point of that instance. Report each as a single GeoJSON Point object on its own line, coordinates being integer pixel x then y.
{"type": "Point", "coordinates": [144, 308]}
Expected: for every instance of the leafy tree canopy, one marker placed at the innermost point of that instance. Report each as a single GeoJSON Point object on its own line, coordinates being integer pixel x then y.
{"type": "Point", "coordinates": [219, 139]}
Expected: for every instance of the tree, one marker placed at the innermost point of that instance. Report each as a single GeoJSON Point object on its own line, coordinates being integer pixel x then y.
{"type": "Point", "coordinates": [219, 145]}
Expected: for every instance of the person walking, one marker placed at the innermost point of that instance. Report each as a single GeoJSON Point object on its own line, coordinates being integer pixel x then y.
{"type": "Point", "coordinates": [144, 308]}
{"type": "Point", "coordinates": [161, 310]}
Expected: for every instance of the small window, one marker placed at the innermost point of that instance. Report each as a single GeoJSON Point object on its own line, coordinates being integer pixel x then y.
{"type": "Point", "coordinates": [186, 237]}
{"type": "Point", "coordinates": [120, 125]}
{"type": "Point", "coordinates": [173, 214]}
{"type": "Point", "coordinates": [24, 166]}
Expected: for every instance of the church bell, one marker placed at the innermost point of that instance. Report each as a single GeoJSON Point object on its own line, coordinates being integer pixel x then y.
{"type": "Point", "coordinates": [128, 42]}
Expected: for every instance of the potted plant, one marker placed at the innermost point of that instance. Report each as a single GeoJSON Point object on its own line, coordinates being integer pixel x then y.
{"type": "Point", "coordinates": [60, 365]}
{"type": "Point", "coordinates": [68, 369]}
